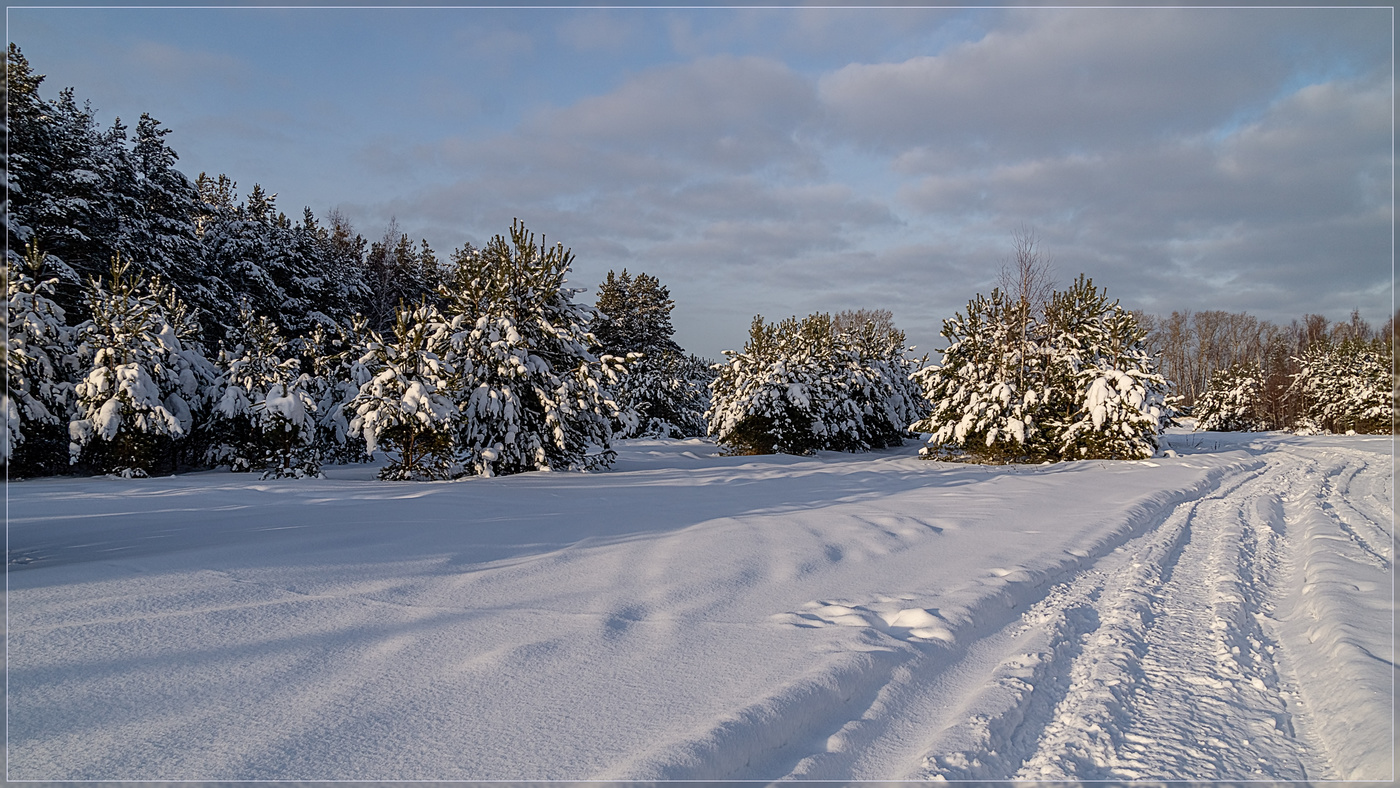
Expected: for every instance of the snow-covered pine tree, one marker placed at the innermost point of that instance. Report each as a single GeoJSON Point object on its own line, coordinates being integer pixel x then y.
{"type": "Point", "coordinates": [800, 386]}
{"type": "Point", "coordinates": [261, 253]}
{"type": "Point", "coordinates": [534, 395]}
{"type": "Point", "coordinates": [1233, 400]}
{"type": "Point", "coordinates": [1107, 397]}
{"type": "Point", "coordinates": [341, 255]}
{"type": "Point", "coordinates": [236, 239]}
{"type": "Point", "coordinates": [634, 314]}
{"type": "Point", "coordinates": [761, 398]}
{"type": "Point", "coordinates": [287, 417]}
{"type": "Point", "coordinates": [666, 394]}
{"type": "Point", "coordinates": [335, 287]}
{"type": "Point", "coordinates": [1346, 386]}
{"type": "Point", "coordinates": [60, 184]}
{"type": "Point", "coordinates": [303, 275]}
{"type": "Point", "coordinates": [332, 360]}
{"type": "Point", "coordinates": [662, 395]}
{"type": "Point", "coordinates": [406, 407]}
{"type": "Point", "coordinates": [698, 373]}
{"type": "Point", "coordinates": [988, 396]}
{"type": "Point", "coordinates": [160, 228]}
{"type": "Point", "coordinates": [200, 382]}
{"type": "Point", "coordinates": [38, 394]}
{"type": "Point", "coordinates": [133, 399]}
{"type": "Point", "coordinates": [1075, 382]}
{"type": "Point", "coordinates": [90, 194]}
{"type": "Point", "coordinates": [266, 414]}
{"type": "Point", "coordinates": [879, 377]}
{"type": "Point", "coordinates": [29, 151]}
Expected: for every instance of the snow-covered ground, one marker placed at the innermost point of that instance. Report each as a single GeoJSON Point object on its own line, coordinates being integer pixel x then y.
{"type": "Point", "coordinates": [1226, 613]}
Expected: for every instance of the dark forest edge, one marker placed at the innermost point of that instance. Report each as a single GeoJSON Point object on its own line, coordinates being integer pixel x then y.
{"type": "Point", "coordinates": [159, 324]}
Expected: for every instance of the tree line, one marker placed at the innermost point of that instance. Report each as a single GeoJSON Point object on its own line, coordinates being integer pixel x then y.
{"type": "Point", "coordinates": [1236, 371]}
{"type": "Point", "coordinates": [157, 324]}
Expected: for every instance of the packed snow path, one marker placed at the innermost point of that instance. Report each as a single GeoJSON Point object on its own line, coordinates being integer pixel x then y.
{"type": "Point", "coordinates": [1222, 614]}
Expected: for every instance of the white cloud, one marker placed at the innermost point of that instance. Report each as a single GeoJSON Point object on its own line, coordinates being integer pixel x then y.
{"type": "Point", "coordinates": [1068, 80]}
{"type": "Point", "coordinates": [737, 113]}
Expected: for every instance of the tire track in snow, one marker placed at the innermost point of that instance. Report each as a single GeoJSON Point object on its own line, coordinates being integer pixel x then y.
{"type": "Point", "coordinates": [918, 695]}
{"type": "Point", "coordinates": [1202, 698]}
{"type": "Point", "coordinates": [1078, 639]}
{"type": "Point", "coordinates": [865, 710]}
{"type": "Point", "coordinates": [1337, 613]}
{"type": "Point", "coordinates": [1173, 669]}
{"type": "Point", "coordinates": [1367, 531]}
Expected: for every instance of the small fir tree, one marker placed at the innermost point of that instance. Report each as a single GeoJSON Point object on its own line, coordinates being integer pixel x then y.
{"type": "Point", "coordinates": [267, 410]}
{"type": "Point", "coordinates": [133, 402]}
{"type": "Point", "coordinates": [1233, 400]}
{"type": "Point", "coordinates": [406, 407]}
{"type": "Point", "coordinates": [38, 395]}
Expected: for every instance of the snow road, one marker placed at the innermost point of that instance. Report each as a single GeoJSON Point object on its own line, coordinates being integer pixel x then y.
{"type": "Point", "coordinates": [1226, 613]}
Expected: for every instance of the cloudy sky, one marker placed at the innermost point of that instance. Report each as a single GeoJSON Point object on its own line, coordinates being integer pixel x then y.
{"type": "Point", "coordinates": [792, 160]}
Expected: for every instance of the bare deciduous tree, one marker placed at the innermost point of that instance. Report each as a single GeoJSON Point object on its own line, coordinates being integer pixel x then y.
{"type": "Point", "coordinates": [851, 319]}
{"type": "Point", "coordinates": [1026, 278]}
{"type": "Point", "coordinates": [1193, 346]}
{"type": "Point", "coordinates": [1026, 283]}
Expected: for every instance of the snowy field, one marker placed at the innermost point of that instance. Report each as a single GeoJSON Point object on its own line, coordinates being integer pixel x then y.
{"type": "Point", "coordinates": [1226, 613]}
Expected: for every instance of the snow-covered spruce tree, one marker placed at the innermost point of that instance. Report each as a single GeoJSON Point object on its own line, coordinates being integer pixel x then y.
{"type": "Point", "coordinates": [336, 288]}
{"type": "Point", "coordinates": [661, 396]}
{"type": "Point", "coordinates": [1107, 399]}
{"type": "Point", "coordinates": [265, 418]}
{"type": "Point", "coordinates": [134, 397]}
{"type": "Point", "coordinates": [989, 395]}
{"type": "Point", "coordinates": [276, 267]}
{"type": "Point", "coordinates": [1233, 400]}
{"type": "Point", "coordinates": [29, 153]}
{"type": "Point", "coordinates": [61, 182]}
{"type": "Point", "coordinates": [802, 386]}
{"type": "Point", "coordinates": [1346, 386]}
{"type": "Point", "coordinates": [406, 407]}
{"type": "Point", "coordinates": [160, 229]}
{"type": "Point", "coordinates": [332, 358]}
{"type": "Point", "coordinates": [533, 396]}
{"type": "Point", "coordinates": [38, 394]}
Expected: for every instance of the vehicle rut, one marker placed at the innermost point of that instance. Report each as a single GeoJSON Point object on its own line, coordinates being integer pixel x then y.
{"type": "Point", "coordinates": [1175, 674]}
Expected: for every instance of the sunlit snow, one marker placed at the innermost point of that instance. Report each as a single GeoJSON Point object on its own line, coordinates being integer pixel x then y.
{"type": "Point", "coordinates": [1221, 612]}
